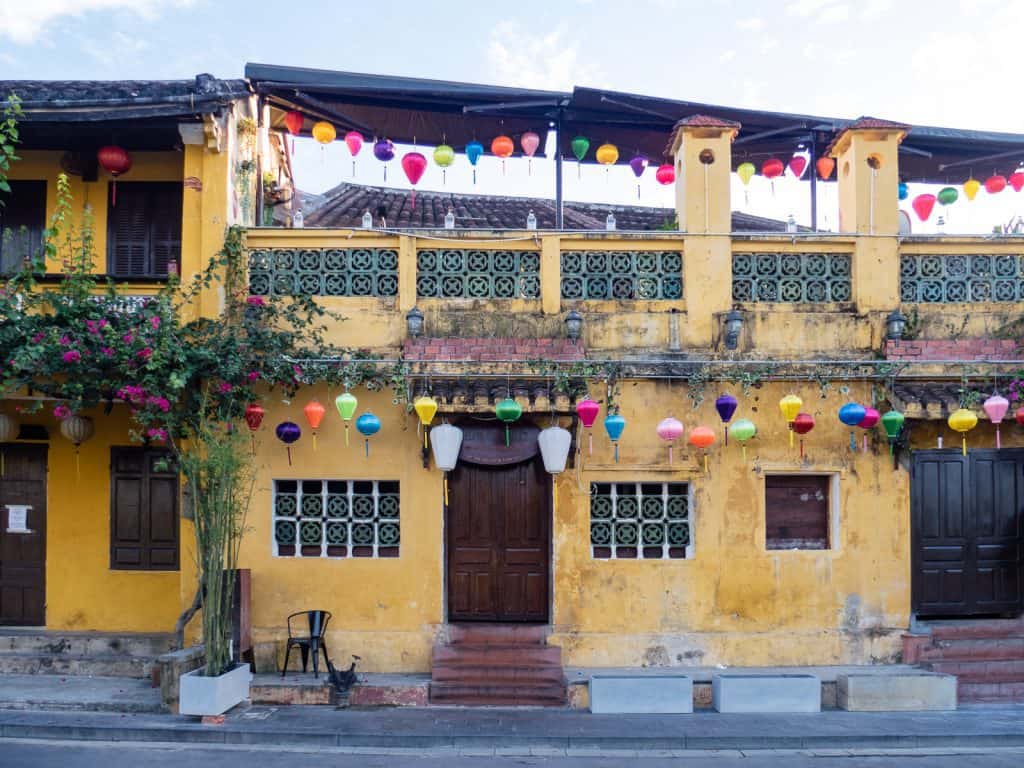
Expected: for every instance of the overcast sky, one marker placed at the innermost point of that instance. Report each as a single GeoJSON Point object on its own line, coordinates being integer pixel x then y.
{"type": "Point", "coordinates": [941, 62]}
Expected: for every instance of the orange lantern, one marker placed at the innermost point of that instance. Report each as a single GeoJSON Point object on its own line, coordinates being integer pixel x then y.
{"type": "Point", "coordinates": [314, 415]}
{"type": "Point", "coordinates": [703, 438]}
{"type": "Point", "coordinates": [503, 147]}
{"type": "Point", "coordinates": [294, 121]}
{"type": "Point", "coordinates": [825, 166]}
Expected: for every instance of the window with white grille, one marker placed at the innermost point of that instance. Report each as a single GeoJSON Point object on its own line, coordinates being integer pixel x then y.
{"type": "Point", "coordinates": [640, 521]}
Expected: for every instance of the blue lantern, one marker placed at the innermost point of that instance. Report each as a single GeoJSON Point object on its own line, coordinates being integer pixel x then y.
{"type": "Point", "coordinates": [368, 425]}
{"type": "Point", "coordinates": [474, 150]}
{"type": "Point", "coordinates": [851, 415]}
{"type": "Point", "coordinates": [613, 425]}
{"type": "Point", "coordinates": [903, 191]}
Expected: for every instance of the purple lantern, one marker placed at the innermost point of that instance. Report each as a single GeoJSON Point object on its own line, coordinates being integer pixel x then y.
{"type": "Point", "coordinates": [726, 407]}
{"type": "Point", "coordinates": [384, 150]}
{"type": "Point", "coordinates": [639, 164]}
{"type": "Point", "coordinates": [288, 432]}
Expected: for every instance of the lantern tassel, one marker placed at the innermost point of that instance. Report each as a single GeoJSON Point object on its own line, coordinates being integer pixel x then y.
{"type": "Point", "coordinates": [413, 196]}
{"type": "Point", "coordinates": [314, 441]}
{"type": "Point", "coordinates": [78, 465]}
{"type": "Point", "coordinates": [474, 175]}
{"type": "Point", "coordinates": [367, 447]}
{"type": "Point", "coordinates": [385, 173]}
{"type": "Point", "coordinates": [670, 455]}
{"type": "Point", "coordinates": [744, 454]}
{"type": "Point", "coordinates": [506, 436]}
{"type": "Point", "coordinates": [853, 441]}
{"type": "Point", "coordinates": [790, 435]}
{"type": "Point", "coordinates": [445, 483]}
{"type": "Point", "coordinates": [554, 496]}
{"type": "Point", "coordinates": [425, 446]}
{"type": "Point", "coordinates": [726, 430]}
{"type": "Point", "coordinates": [705, 462]}
{"type": "Point", "coordinates": [113, 193]}
{"type": "Point", "coordinates": [998, 441]}
{"type": "Point", "coordinates": [801, 447]}
{"type": "Point", "coordinates": [289, 449]}
{"type": "Point", "coordinates": [253, 439]}
{"type": "Point", "coordinates": [590, 437]}
{"type": "Point", "coordinates": [964, 443]}
{"type": "Point", "coordinates": [346, 433]}
{"type": "Point", "coordinates": [616, 452]}
{"type": "Point", "coordinates": [353, 168]}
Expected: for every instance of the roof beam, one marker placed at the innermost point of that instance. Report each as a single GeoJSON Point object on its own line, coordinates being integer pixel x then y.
{"type": "Point", "coordinates": [1001, 156]}
{"type": "Point", "coordinates": [773, 132]}
{"type": "Point", "coordinates": [504, 105]}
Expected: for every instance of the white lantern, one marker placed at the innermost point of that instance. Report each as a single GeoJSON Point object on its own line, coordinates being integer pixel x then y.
{"type": "Point", "coordinates": [446, 442]}
{"type": "Point", "coordinates": [8, 429]}
{"type": "Point", "coordinates": [554, 447]}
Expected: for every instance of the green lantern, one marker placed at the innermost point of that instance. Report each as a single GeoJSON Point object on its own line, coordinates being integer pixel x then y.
{"type": "Point", "coordinates": [346, 404]}
{"type": "Point", "coordinates": [580, 147]}
{"type": "Point", "coordinates": [947, 196]}
{"type": "Point", "coordinates": [892, 423]}
{"type": "Point", "coordinates": [508, 411]}
{"type": "Point", "coordinates": [444, 156]}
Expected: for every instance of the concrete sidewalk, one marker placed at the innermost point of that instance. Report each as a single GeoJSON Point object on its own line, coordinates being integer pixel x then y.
{"type": "Point", "coordinates": [458, 728]}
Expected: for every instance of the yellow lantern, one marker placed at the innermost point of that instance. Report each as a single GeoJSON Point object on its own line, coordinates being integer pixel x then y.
{"type": "Point", "coordinates": [790, 406]}
{"type": "Point", "coordinates": [971, 187]}
{"type": "Point", "coordinates": [963, 421]}
{"type": "Point", "coordinates": [324, 132]}
{"type": "Point", "coordinates": [746, 172]}
{"type": "Point", "coordinates": [607, 154]}
{"type": "Point", "coordinates": [425, 408]}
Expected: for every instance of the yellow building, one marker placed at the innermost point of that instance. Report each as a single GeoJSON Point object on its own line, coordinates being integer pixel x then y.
{"type": "Point", "coordinates": [812, 549]}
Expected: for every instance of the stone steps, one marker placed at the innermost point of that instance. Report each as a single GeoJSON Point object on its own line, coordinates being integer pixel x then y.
{"type": "Point", "coordinates": [999, 649]}
{"type": "Point", "coordinates": [75, 664]}
{"type": "Point", "coordinates": [497, 634]}
{"type": "Point", "coordinates": [992, 693]}
{"type": "Point", "coordinates": [982, 671]}
{"type": "Point", "coordinates": [493, 655]}
{"type": "Point", "coordinates": [94, 654]}
{"type": "Point", "coordinates": [491, 694]}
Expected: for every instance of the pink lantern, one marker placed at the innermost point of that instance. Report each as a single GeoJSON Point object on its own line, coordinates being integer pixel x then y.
{"type": "Point", "coordinates": [923, 205]}
{"type": "Point", "coordinates": [354, 142]}
{"type": "Point", "coordinates": [797, 165]}
{"type": "Point", "coordinates": [665, 174]}
{"type": "Point", "coordinates": [529, 141]}
{"type": "Point", "coordinates": [414, 164]}
{"type": "Point", "coordinates": [871, 417]}
{"type": "Point", "coordinates": [670, 430]}
{"type": "Point", "coordinates": [587, 410]}
{"type": "Point", "coordinates": [995, 408]}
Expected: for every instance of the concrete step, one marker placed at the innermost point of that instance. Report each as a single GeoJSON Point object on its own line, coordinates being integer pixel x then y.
{"type": "Point", "coordinates": [993, 693]}
{"type": "Point", "coordinates": [479, 675]}
{"type": "Point", "coordinates": [78, 694]}
{"type": "Point", "coordinates": [540, 695]}
{"type": "Point", "coordinates": [977, 629]}
{"type": "Point", "coordinates": [498, 634]}
{"type": "Point", "coordinates": [69, 664]}
{"type": "Point", "coordinates": [981, 671]}
{"type": "Point", "coordinates": [86, 643]}
{"type": "Point", "coordinates": [974, 649]}
{"type": "Point", "coordinates": [498, 655]}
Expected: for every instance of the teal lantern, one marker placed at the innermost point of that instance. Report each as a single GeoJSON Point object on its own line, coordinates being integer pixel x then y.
{"type": "Point", "coordinates": [474, 150]}
{"type": "Point", "coordinates": [508, 411]}
{"type": "Point", "coordinates": [613, 425]}
{"type": "Point", "coordinates": [368, 425]}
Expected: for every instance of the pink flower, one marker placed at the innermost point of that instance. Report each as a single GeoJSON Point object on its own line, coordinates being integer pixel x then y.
{"type": "Point", "coordinates": [38, 337]}
{"type": "Point", "coordinates": [72, 356]}
{"type": "Point", "coordinates": [155, 322]}
{"type": "Point", "coordinates": [225, 388]}
{"type": "Point", "coordinates": [157, 434]}
{"type": "Point", "coordinates": [61, 412]}
{"type": "Point", "coordinates": [107, 351]}
{"type": "Point", "coordinates": [65, 340]}
{"type": "Point", "coordinates": [256, 301]}
{"type": "Point", "coordinates": [252, 376]}
{"type": "Point", "coordinates": [128, 338]}
{"type": "Point", "coordinates": [92, 326]}
{"type": "Point", "coordinates": [145, 353]}
{"type": "Point", "coordinates": [297, 370]}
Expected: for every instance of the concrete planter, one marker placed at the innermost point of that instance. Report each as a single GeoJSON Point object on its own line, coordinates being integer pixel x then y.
{"type": "Point", "coordinates": [213, 695]}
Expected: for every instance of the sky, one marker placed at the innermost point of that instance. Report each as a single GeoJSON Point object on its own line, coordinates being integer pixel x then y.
{"type": "Point", "coordinates": [940, 62]}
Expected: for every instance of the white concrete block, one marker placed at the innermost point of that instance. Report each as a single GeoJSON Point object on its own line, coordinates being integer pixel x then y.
{"type": "Point", "coordinates": [646, 694]}
{"type": "Point", "coordinates": [765, 693]}
{"type": "Point", "coordinates": [901, 692]}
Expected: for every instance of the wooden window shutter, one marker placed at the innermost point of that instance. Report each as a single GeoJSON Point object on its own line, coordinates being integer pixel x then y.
{"type": "Point", "coordinates": [797, 511]}
{"type": "Point", "coordinates": [22, 220]}
{"type": "Point", "coordinates": [144, 229]}
{"type": "Point", "coordinates": [143, 510]}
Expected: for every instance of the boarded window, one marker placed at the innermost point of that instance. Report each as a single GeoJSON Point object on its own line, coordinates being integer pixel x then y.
{"type": "Point", "coordinates": [144, 229]}
{"type": "Point", "coordinates": [797, 511]}
{"type": "Point", "coordinates": [143, 510]}
{"type": "Point", "coordinates": [22, 220]}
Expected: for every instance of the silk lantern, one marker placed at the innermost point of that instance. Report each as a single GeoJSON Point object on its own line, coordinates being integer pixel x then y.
{"type": "Point", "coordinates": [425, 407]}
{"type": "Point", "coordinates": [77, 429]}
{"type": "Point", "coordinates": [529, 141]}
{"type": "Point", "coordinates": [892, 423]}
{"type": "Point", "coordinates": [638, 164]}
{"type": "Point", "coordinates": [703, 438]}
{"type": "Point", "coordinates": [902, 191]}
{"type": "Point", "coordinates": [1016, 180]}
{"type": "Point", "coordinates": [554, 445]}
{"type": "Point", "coordinates": [384, 150]}
{"type": "Point", "coordinates": [414, 164]}
{"type": "Point", "coordinates": [354, 142]}
{"type": "Point", "coordinates": [923, 205]}
{"type": "Point", "coordinates": [963, 421]}
{"type": "Point", "coordinates": [851, 415]}
{"type": "Point", "coordinates": [995, 184]}
{"type": "Point", "coordinates": [580, 146]}
{"type": "Point", "coordinates": [825, 166]}
{"type": "Point", "coordinates": [1019, 416]}
{"type": "Point", "coordinates": [771, 169]}
{"type": "Point", "coordinates": [508, 411]}
{"type": "Point", "coordinates": [607, 155]}
{"type": "Point", "coordinates": [446, 442]}
{"type": "Point", "coordinates": [444, 156]}
{"type": "Point", "coordinates": [971, 187]}
{"type": "Point", "coordinates": [324, 132]}
{"type": "Point", "coordinates": [669, 430]}
{"type": "Point", "coordinates": [115, 161]}
{"type": "Point", "coordinates": [746, 171]}
{"type": "Point", "coordinates": [742, 431]}
{"type": "Point", "coordinates": [995, 408]}
{"type": "Point", "coordinates": [314, 413]}
{"type": "Point", "coordinates": [346, 404]}
{"type": "Point", "coordinates": [288, 432]}
{"type": "Point", "coordinates": [726, 405]}
{"type": "Point", "coordinates": [802, 424]}
{"type": "Point", "coordinates": [871, 417]}
{"type": "Point", "coordinates": [790, 406]}
{"type": "Point", "coordinates": [797, 165]}
{"type": "Point", "coordinates": [368, 425]}
{"type": "Point", "coordinates": [294, 121]}
{"type": "Point", "coordinates": [666, 174]}
{"type": "Point", "coordinates": [614, 424]}
{"type": "Point", "coordinates": [253, 418]}
{"type": "Point", "coordinates": [474, 150]}
{"type": "Point", "coordinates": [587, 410]}
{"type": "Point", "coordinates": [947, 196]}
{"type": "Point", "coordinates": [503, 147]}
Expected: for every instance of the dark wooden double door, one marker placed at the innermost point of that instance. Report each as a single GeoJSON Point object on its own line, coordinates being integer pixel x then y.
{"type": "Point", "coordinates": [967, 532]}
{"type": "Point", "coordinates": [499, 538]}
{"type": "Point", "coordinates": [23, 554]}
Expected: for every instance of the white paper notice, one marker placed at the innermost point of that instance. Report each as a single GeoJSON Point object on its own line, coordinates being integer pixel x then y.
{"type": "Point", "coordinates": [17, 518]}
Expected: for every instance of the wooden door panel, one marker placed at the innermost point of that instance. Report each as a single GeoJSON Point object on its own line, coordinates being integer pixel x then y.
{"type": "Point", "coordinates": [23, 555]}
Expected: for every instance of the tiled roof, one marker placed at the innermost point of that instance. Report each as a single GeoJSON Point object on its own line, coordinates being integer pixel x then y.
{"type": "Point", "coordinates": [707, 121]}
{"type": "Point", "coordinates": [344, 206]}
{"type": "Point", "coordinates": [867, 123]}
{"type": "Point", "coordinates": [492, 349]}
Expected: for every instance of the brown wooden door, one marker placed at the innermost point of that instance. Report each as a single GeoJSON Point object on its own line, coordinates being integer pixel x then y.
{"type": "Point", "coordinates": [499, 542]}
{"type": "Point", "coordinates": [23, 555]}
{"type": "Point", "coordinates": [967, 525]}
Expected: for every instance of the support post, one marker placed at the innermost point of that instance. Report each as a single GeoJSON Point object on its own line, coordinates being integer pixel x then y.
{"type": "Point", "coordinates": [559, 214]}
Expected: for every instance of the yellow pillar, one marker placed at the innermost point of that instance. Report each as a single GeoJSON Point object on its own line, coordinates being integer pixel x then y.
{"type": "Point", "coordinates": [551, 274]}
{"type": "Point", "coordinates": [406, 272]}
{"type": "Point", "coordinates": [702, 150]}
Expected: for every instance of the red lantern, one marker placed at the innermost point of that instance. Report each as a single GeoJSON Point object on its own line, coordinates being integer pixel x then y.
{"type": "Point", "coordinates": [825, 166]}
{"type": "Point", "coordinates": [665, 174]}
{"type": "Point", "coordinates": [923, 205]}
{"type": "Point", "coordinates": [414, 164]}
{"type": "Point", "coordinates": [995, 184]}
{"type": "Point", "coordinates": [802, 424]}
{"type": "Point", "coordinates": [587, 410]}
{"type": "Point", "coordinates": [797, 165]}
{"type": "Point", "coordinates": [1019, 416]}
{"type": "Point", "coordinates": [1017, 180]}
{"type": "Point", "coordinates": [772, 167]}
{"type": "Point", "coordinates": [294, 121]}
{"type": "Point", "coordinates": [115, 161]}
{"type": "Point", "coordinates": [314, 415]}
{"type": "Point", "coordinates": [253, 418]}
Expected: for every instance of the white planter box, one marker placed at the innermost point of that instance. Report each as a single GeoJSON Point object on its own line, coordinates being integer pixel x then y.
{"type": "Point", "coordinates": [213, 695]}
{"type": "Point", "coordinates": [641, 694]}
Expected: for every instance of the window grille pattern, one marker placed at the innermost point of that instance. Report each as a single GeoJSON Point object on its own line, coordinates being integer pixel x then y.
{"type": "Point", "coordinates": [791, 277]}
{"type": "Point", "coordinates": [622, 275]}
{"type": "Point", "coordinates": [957, 278]}
{"type": "Point", "coordinates": [467, 274]}
{"type": "Point", "coordinates": [639, 520]}
{"type": "Point", "coordinates": [324, 272]}
{"type": "Point", "coordinates": [336, 518]}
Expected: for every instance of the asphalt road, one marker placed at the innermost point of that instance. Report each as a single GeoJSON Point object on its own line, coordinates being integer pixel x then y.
{"type": "Point", "coordinates": [48, 754]}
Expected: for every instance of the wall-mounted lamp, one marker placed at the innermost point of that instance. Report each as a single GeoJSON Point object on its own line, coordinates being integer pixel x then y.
{"type": "Point", "coordinates": [573, 325]}
{"type": "Point", "coordinates": [414, 323]}
{"type": "Point", "coordinates": [895, 324]}
{"type": "Point", "coordinates": [733, 326]}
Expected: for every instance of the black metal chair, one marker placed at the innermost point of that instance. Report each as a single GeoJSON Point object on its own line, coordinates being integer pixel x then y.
{"type": "Point", "coordinates": [316, 622]}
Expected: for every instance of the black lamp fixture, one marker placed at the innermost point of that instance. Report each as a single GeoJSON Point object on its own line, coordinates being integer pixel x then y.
{"type": "Point", "coordinates": [895, 324]}
{"type": "Point", "coordinates": [414, 323]}
{"type": "Point", "coordinates": [573, 325]}
{"type": "Point", "coordinates": [733, 326]}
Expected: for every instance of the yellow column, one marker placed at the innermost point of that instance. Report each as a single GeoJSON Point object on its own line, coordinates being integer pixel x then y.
{"type": "Point", "coordinates": [702, 150]}
{"type": "Point", "coordinates": [406, 272]}
{"type": "Point", "coordinates": [551, 274]}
